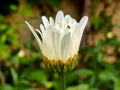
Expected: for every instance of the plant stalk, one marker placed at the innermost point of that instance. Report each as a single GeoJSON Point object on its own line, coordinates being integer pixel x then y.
{"type": "Point", "coordinates": [62, 81]}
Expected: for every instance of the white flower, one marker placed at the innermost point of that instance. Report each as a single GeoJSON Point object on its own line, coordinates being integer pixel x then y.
{"type": "Point", "coordinates": [60, 38]}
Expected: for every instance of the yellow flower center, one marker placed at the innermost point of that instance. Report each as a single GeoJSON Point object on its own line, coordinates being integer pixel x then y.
{"type": "Point", "coordinates": [60, 65]}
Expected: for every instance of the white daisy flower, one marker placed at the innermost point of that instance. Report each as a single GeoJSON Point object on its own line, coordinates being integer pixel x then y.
{"type": "Point", "coordinates": [60, 38]}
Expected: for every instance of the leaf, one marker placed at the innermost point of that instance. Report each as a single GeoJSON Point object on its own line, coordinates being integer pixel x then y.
{"type": "Point", "coordinates": [117, 84]}
{"type": "Point", "coordinates": [55, 3]}
{"type": "Point", "coordinates": [39, 76]}
{"type": "Point", "coordinates": [74, 74]}
{"type": "Point", "coordinates": [26, 10]}
{"type": "Point", "coordinates": [96, 22]}
{"type": "Point", "coordinates": [79, 87]}
{"type": "Point", "coordinates": [1, 17]}
{"type": "Point", "coordinates": [14, 75]}
{"type": "Point", "coordinates": [114, 42]}
{"type": "Point", "coordinates": [84, 72]}
{"type": "Point", "coordinates": [87, 49]}
{"type": "Point", "coordinates": [4, 48]}
{"type": "Point", "coordinates": [3, 38]}
{"type": "Point", "coordinates": [24, 88]}
{"type": "Point", "coordinates": [109, 67]}
{"type": "Point", "coordinates": [5, 87]}
{"type": "Point", "coordinates": [13, 7]}
{"type": "Point", "coordinates": [106, 75]}
{"type": "Point", "coordinates": [3, 27]}
{"type": "Point", "coordinates": [15, 42]}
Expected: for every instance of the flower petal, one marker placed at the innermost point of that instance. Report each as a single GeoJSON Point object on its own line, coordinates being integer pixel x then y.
{"type": "Point", "coordinates": [59, 17]}
{"type": "Point", "coordinates": [78, 32]}
{"type": "Point", "coordinates": [51, 20]}
{"type": "Point", "coordinates": [45, 21]}
{"type": "Point", "coordinates": [42, 28]}
{"type": "Point", "coordinates": [81, 27]}
{"type": "Point", "coordinates": [38, 31]}
{"type": "Point", "coordinates": [34, 33]}
{"type": "Point", "coordinates": [68, 18]}
{"type": "Point", "coordinates": [60, 38]}
{"type": "Point", "coordinates": [65, 46]}
{"type": "Point", "coordinates": [56, 37]}
{"type": "Point", "coordinates": [83, 23]}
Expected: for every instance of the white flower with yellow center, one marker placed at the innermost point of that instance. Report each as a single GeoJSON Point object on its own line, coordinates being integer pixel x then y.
{"type": "Point", "coordinates": [60, 40]}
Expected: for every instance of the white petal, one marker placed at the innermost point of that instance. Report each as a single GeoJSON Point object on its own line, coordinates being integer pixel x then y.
{"type": "Point", "coordinates": [60, 38]}
{"type": "Point", "coordinates": [45, 21]}
{"type": "Point", "coordinates": [67, 18]}
{"type": "Point", "coordinates": [59, 17]}
{"type": "Point", "coordinates": [43, 44]}
{"type": "Point", "coordinates": [65, 46]}
{"type": "Point", "coordinates": [56, 37]}
{"type": "Point", "coordinates": [38, 31]}
{"type": "Point", "coordinates": [78, 32]}
{"type": "Point", "coordinates": [34, 33]}
{"type": "Point", "coordinates": [83, 23]}
{"type": "Point", "coordinates": [81, 26]}
{"type": "Point", "coordinates": [77, 38]}
{"type": "Point", "coordinates": [51, 20]}
{"type": "Point", "coordinates": [73, 21]}
{"type": "Point", "coordinates": [42, 28]}
{"type": "Point", "coordinates": [50, 45]}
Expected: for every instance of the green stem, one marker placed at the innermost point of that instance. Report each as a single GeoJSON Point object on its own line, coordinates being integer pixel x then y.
{"type": "Point", "coordinates": [62, 80]}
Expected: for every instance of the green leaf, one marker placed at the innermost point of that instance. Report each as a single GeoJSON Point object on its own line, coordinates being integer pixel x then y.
{"type": "Point", "coordinates": [87, 49]}
{"type": "Point", "coordinates": [24, 88]}
{"type": "Point", "coordinates": [3, 27]}
{"type": "Point", "coordinates": [76, 73]}
{"type": "Point", "coordinates": [4, 51]}
{"type": "Point", "coordinates": [33, 3]}
{"type": "Point", "coordinates": [5, 87]}
{"type": "Point", "coordinates": [84, 72]}
{"type": "Point", "coordinates": [79, 87]}
{"type": "Point", "coordinates": [39, 76]}
{"type": "Point", "coordinates": [1, 17]}
{"type": "Point", "coordinates": [109, 67]}
{"type": "Point", "coordinates": [13, 7]}
{"type": "Point", "coordinates": [114, 42]}
{"type": "Point", "coordinates": [26, 10]}
{"type": "Point", "coordinates": [3, 38]}
{"type": "Point", "coordinates": [55, 3]}
{"type": "Point", "coordinates": [24, 82]}
{"type": "Point", "coordinates": [117, 84]}
{"type": "Point", "coordinates": [15, 43]}
{"type": "Point", "coordinates": [14, 75]}
{"type": "Point", "coordinates": [96, 22]}
{"type": "Point", "coordinates": [35, 75]}
{"type": "Point", "coordinates": [106, 75]}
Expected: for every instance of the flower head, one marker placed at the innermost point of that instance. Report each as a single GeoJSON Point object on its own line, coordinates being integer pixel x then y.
{"type": "Point", "coordinates": [60, 38]}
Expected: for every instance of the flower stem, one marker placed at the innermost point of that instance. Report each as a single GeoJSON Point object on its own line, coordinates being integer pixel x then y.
{"type": "Point", "coordinates": [62, 81]}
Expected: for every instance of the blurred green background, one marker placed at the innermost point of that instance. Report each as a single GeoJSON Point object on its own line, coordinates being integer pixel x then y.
{"type": "Point", "coordinates": [21, 65]}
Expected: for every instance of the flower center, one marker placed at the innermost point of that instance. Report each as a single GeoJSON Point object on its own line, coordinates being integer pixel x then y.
{"type": "Point", "coordinates": [60, 65]}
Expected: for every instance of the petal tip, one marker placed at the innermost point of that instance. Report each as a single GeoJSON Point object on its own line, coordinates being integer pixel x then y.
{"type": "Point", "coordinates": [85, 18]}
{"type": "Point", "coordinates": [60, 11]}
{"type": "Point", "coordinates": [26, 22]}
